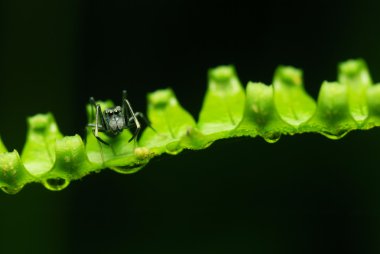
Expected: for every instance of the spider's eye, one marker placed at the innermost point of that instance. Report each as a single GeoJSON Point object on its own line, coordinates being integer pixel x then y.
{"type": "Point", "coordinates": [118, 109]}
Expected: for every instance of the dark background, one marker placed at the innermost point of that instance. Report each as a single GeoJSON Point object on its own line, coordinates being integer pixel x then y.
{"type": "Point", "coordinates": [304, 194]}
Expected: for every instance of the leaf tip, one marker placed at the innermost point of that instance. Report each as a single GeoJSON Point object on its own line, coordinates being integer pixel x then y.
{"type": "Point", "coordinates": [288, 75]}
{"type": "Point", "coordinates": [354, 72]}
{"type": "Point", "coordinates": [162, 98]}
{"type": "Point", "coordinates": [222, 73]}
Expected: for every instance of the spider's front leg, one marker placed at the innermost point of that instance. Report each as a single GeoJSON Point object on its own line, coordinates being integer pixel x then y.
{"type": "Point", "coordinates": [143, 118]}
{"type": "Point", "coordinates": [129, 115]}
{"type": "Point", "coordinates": [96, 128]}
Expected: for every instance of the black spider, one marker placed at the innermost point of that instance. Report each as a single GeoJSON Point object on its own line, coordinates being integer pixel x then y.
{"type": "Point", "coordinates": [114, 120]}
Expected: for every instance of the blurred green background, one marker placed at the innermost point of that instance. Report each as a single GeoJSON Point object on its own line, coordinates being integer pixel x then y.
{"type": "Point", "coordinates": [304, 194]}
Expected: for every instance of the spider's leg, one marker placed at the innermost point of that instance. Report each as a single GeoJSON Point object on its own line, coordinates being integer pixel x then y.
{"type": "Point", "coordinates": [135, 135]}
{"type": "Point", "coordinates": [97, 127]}
{"type": "Point", "coordinates": [98, 117]}
{"type": "Point", "coordinates": [100, 129]}
{"type": "Point", "coordinates": [93, 105]}
{"type": "Point", "coordinates": [124, 108]}
{"type": "Point", "coordinates": [133, 117]}
{"type": "Point", "coordinates": [99, 139]}
{"type": "Point", "coordinates": [145, 120]}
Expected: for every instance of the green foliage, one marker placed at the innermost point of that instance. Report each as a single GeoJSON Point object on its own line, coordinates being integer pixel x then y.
{"type": "Point", "coordinates": [283, 108]}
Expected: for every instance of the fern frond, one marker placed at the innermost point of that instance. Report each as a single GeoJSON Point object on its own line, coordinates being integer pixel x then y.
{"type": "Point", "coordinates": [283, 108]}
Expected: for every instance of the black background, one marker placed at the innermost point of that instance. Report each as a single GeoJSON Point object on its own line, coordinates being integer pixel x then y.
{"type": "Point", "coordinates": [304, 194]}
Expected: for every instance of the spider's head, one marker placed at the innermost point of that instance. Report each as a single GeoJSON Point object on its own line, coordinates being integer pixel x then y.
{"type": "Point", "coordinates": [115, 119]}
{"type": "Point", "coordinates": [113, 111]}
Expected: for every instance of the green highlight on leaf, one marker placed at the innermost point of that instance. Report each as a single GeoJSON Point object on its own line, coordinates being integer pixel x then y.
{"type": "Point", "coordinates": [229, 110]}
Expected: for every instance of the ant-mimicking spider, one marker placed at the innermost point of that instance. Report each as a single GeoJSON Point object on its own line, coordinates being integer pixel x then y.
{"type": "Point", "coordinates": [114, 120]}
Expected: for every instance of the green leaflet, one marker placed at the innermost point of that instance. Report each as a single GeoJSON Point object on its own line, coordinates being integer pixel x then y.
{"type": "Point", "coordinates": [224, 101]}
{"type": "Point", "coordinates": [283, 108]}
{"type": "Point", "coordinates": [40, 143]}
{"type": "Point", "coordinates": [293, 104]}
{"type": "Point", "coordinates": [260, 115]}
{"type": "Point", "coordinates": [355, 76]}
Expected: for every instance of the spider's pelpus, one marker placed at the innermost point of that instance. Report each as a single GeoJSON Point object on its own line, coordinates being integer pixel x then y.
{"type": "Point", "coordinates": [114, 120]}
